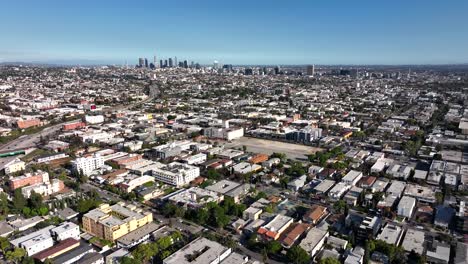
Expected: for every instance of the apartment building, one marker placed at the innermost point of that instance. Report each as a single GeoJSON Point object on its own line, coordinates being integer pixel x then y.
{"type": "Point", "coordinates": [87, 165]}
{"type": "Point", "coordinates": [44, 189]}
{"type": "Point", "coordinates": [112, 222]}
{"type": "Point", "coordinates": [176, 173]}
{"type": "Point", "coordinates": [29, 179]}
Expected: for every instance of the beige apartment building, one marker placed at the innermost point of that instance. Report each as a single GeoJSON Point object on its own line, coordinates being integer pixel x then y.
{"type": "Point", "coordinates": [112, 222]}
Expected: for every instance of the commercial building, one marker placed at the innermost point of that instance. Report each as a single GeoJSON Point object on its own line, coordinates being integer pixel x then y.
{"type": "Point", "coordinates": [87, 165]}
{"type": "Point", "coordinates": [176, 173]}
{"type": "Point", "coordinates": [203, 251]}
{"type": "Point", "coordinates": [112, 222]}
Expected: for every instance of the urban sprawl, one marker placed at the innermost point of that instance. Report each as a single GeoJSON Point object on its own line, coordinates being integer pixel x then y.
{"type": "Point", "coordinates": [176, 162]}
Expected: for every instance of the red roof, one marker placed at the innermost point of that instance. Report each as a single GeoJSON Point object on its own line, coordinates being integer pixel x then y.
{"type": "Point", "coordinates": [68, 243]}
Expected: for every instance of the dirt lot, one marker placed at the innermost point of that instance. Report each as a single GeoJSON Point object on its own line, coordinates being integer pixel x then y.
{"type": "Point", "coordinates": [293, 151]}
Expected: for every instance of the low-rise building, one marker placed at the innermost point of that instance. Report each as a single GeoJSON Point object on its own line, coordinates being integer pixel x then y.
{"type": "Point", "coordinates": [66, 230]}
{"type": "Point", "coordinates": [202, 251]}
{"type": "Point", "coordinates": [29, 179]}
{"type": "Point", "coordinates": [352, 177]}
{"type": "Point", "coordinates": [314, 241]}
{"type": "Point", "coordinates": [274, 228]}
{"type": "Point", "coordinates": [35, 242]}
{"type": "Point", "coordinates": [338, 191]}
{"type": "Point", "coordinates": [13, 166]}
{"type": "Point", "coordinates": [194, 197]}
{"type": "Point", "coordinates": [406, 206]}
{"type": "Point", "coordinates": [230, 189]}
{"type": "Point", "coordinates": [391, 234]}
{"type": "Point", "coordinates": [414, 241]}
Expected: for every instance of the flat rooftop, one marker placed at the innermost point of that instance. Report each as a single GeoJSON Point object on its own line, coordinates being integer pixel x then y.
{"type": "Point", "coordinates": [391, 234]}
{"type": "Point", "coordinates": [414, 240]}
{"type": "Point", "coordinates": [199, 251]}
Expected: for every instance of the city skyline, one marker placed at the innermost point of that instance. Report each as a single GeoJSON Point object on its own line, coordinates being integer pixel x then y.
{"type": "Point", "coordinates": [241, 33]}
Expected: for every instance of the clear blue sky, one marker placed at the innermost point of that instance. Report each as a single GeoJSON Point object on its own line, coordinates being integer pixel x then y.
{"type": "Point", "coordinates": [237, 32]}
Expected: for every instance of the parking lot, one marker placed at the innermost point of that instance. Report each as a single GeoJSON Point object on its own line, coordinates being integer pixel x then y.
{"type": "Point", "coordinates": [256, 145]}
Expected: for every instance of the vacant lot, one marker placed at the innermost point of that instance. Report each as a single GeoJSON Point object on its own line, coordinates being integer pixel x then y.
{"type": "Point", "coordinates": [293, 151]}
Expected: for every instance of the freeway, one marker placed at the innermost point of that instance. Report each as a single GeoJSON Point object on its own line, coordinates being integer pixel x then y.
{"type": "Point", "coordinates": [29, 141]}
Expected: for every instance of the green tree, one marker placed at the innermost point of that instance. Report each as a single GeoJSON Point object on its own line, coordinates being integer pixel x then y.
{"type": "Point", "coordinates": [273, 247]}
{"type": "Point", "coordinates": [298, 255]}
{"type": "Point", "coordinates": [329, 260]}
{"type": "Point", "coordinates": [145, 252]}
{"type": "Point", "coordinates": [164, 242]}
{"type": "Point", "coordinates": [28, 260]}
{"type": "Point", "coordinates": [19, 202]}
{"type": "Point", "coordinates": [128, 260]}
{"type": "Point", "coordinates": [4, 243]}
{"type": "Point", "coordinates": [16, 255]}
{"type": "Point", "coordinates": [35, 200]}
{"type": "Point", "coordinates": [4, 209]}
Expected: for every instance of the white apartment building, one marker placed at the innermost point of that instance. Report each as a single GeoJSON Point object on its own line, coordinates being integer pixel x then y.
{"type": "Point", "coordinates": [352, 177]}
{"type": "Point", "coordinates": [176, 173]}
{"type": "Point", "coordinates": [406, 206]}
{"type": "Point", "coordinates": [87, 165]}
{"type": "Point", "coordinates": [44, 189]}
{"type": "Point", "coordinates": [196, 159]}
{"type": "Point", "coordinates": [94, 119]}
{"type": "Point", "coordinates": [36, 241]}
{"type": "Point", "coordinates": [338, 190]}
{"type": "Point", "coordinates": [131, 184]}
{"type": "Point", "coordinates": [224, 133]}
{"type": "Point", "coordinates": [66, 230]}
{"type": "Point", "coordinates": [14, 166]}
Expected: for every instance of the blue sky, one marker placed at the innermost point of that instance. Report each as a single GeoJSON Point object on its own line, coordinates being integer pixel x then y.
{"type": "Point", "coordinates": [237, 32]}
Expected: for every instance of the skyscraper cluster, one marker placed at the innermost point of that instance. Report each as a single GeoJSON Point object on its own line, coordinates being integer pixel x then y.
{"type": "Point", "coordinates": [166, 63]}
